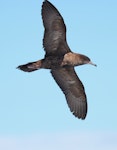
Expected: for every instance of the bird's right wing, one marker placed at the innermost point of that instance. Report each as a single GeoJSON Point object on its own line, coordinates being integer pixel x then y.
{"type": "Point", "coordinates": [73, 89]}
{"type": "Point", "coordinates": [54, 40]}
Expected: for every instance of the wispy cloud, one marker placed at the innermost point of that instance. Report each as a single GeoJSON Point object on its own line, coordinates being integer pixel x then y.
{"type": "Point", "coordinates": [61, 141]}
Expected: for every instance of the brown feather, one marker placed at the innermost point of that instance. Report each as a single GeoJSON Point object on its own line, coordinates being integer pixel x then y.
{"type": "Point", "coordinates": [73, 89]}
{"type": "Point", "coordinates": [61, 60]}
{"type": "Point", "coordinates": [54, 40]}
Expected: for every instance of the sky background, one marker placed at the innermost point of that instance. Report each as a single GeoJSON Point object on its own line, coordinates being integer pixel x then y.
{"type": "Point", "coordinates": [33, 110]}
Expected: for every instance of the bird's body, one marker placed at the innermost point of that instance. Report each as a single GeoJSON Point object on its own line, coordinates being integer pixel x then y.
{"type": "Point", "coordinates": [61, 60]}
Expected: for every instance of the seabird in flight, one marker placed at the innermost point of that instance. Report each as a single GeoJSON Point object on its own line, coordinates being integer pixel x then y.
{"type": "Point", "coordinates": [61, 60]}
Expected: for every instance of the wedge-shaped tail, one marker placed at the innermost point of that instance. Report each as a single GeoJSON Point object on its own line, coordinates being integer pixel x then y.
{"type": "Point", "coordinates": [29, 67]}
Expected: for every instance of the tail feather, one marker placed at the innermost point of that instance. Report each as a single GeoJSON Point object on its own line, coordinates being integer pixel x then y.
{"type": "Point", "coordinates": [29, 67]}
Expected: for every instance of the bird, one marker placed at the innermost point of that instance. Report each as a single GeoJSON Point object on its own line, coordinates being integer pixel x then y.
{"type": "Point", "coordinates": [61, 60]}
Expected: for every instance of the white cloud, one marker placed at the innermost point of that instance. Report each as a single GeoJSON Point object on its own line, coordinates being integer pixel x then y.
{"type": "Point", "coordinates": [61, 141]}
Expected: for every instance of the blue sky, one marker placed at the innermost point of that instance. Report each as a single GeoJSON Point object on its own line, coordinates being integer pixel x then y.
{"type": "Point", "coordinates": [32, 107]}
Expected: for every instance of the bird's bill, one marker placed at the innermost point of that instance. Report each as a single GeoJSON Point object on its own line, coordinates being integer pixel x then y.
{"type": "Point", "coordinates": [91, 63]}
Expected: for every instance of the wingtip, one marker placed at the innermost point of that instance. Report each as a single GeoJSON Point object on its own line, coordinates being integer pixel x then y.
{"type": "Point", "coordinates": [82, 116]}
{"type": "Point", "coordinates": [79, 111]}
{"type": "Point", "coordinates": [45, 1]}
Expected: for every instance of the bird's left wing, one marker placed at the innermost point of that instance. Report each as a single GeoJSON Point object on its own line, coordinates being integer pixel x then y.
{"type": "Point", "coordinates": [73, 89]}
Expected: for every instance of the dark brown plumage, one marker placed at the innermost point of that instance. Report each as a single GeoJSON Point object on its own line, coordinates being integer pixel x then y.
{"type": "Point", "coordinates": [61, 60]}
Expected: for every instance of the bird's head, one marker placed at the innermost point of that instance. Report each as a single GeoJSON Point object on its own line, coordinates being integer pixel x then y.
{"type": "Point", "coordinates": [75, 59]}
{"type": "Point", "coordinates": [86, 60]}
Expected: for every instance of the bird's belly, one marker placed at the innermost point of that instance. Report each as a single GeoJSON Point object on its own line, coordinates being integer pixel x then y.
{"type": "Point", "coordinates": [52, 63]}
